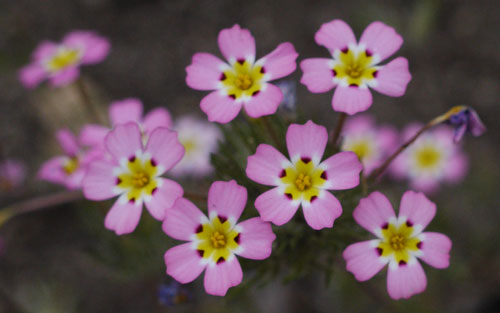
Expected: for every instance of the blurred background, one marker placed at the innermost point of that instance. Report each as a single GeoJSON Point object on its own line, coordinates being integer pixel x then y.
{"type": "Point", "coordinates": [63, 260]}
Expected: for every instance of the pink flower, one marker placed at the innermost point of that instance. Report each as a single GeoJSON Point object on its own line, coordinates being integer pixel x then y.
{"type": "Point", "coordinates": [400, 241]}
{"type": "Point", "coordinates": [370, 143]}
{"type": "Point", "coordinates": [12, 174]}
{"type": "Point", "coordinates": [242, 81]}
{"type": "Point", "coordinates": [200, 139]}
{"type": "Point", "coordinates": [133, 173]}
{"type": "Point", "coordinates": [60, 62]}
{"type": "Point", "coordinates": [354, 65]}
{"type": "Point", "coordinates": [121, 112]}
{"type": "Point", "coordinates": [70, 168]}
{"type": "Point", "coordinates": [215, 241]}
{"type": "Point", "coordinates": [432, 159]}
{"type": "Point", "coordinates": [302, 180]}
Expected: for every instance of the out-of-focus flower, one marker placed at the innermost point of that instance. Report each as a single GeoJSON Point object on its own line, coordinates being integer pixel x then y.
{"type": "Point", "coordinates": [304, 179]}
{"type": "Point", "coordinates": [121, 112]}
{"type": "Point", "coordinates": [465, 120]}
{"type": "Point", "coordinates": [400, 241]}
{"type": "Point", "coordinates": [289, 90]}
{"type": "Point", "coordinates": [133, 173]}
{"type": "Point", "coordinates": [68, 169]}
{"type": "Point", "coordinates": [370, 143]}
{"type": "Point", "coordinates": [432, 159]}
{"type": "Point", "coordinates": [172, 293]}
{"type": "Point", "coordinates": [60, 62]}
{"type": "Point", "coordinates": [199, 139]}
{"type": "Point", "coordinates": [12, 174]}
{"type": "Point", "coordinates": [242, 81]}
{"type": "Point", "coordinates": [215, 241]}
{"type": "Point", "coordinates": [354, 66]}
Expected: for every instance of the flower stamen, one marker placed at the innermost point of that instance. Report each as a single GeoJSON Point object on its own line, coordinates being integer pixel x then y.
{"type": "Point", "coordinates": [140, 179]}
{"type": "Point", "coordinates": [243, 81]}
{"type": "Point", "coordinates": [218, 240]}
{"type": "Point", "coordinates": [303, 182]}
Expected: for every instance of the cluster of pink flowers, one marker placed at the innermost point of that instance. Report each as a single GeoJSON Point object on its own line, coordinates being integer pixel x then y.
{"type": "Point", "coordinates": [128, 160]}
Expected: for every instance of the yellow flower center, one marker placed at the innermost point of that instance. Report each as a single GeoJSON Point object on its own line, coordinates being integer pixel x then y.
{"type": "Point", "coordinates": [355, 67]}
{"type": "Point", "coordinates": [71, 165]}
{"type": "Point", "coordinates": [189, 146]}
{"type": "Point", "coordinates": [354, 70]}
{"type": "Point", "coordinates": [140, 179]}
{"type": "Point", "coordinates": [218, 240]}
{"type": "Point", "coordinates": [303, 182]}
{"type": "Point", "coordinates": [243, 79]}
{"type": "Point", "coordinates": [397, 242]}
{"type": "Point", "coordinates": [63, 58]}
{"type": "Point", "coordinates": [428, 157]}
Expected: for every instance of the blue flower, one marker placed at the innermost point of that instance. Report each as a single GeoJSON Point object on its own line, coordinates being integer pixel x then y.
{"type": "Point", "coordinates": [465, 120]}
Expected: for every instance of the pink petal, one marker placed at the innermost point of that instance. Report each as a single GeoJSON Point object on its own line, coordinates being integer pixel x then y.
{"type": "Point", "coordinates": [123, 216]}
{"type": "Point", "coordinates": [456, 168]}
{"type": "Point", "coordinates": [322, 211]}
{"type": "Point", "coordinates": [351, 100]}
{"type": "Point", "coordinates": [65, 76]}
{"type": "Point", "coordinates": [52, 170]}
{"type": "Point", "coordinates": [44, 50]}
{"type": "Point", "coordinates": [220, 107]}
{"type": "Point", "coordinates": [204, 72]}
{"type": "Point", "coordinates": [417, 208]}
{"type": "Point", "coordinates": [31, 75]}
{"type": "Point", "coordinates": [266, 102]}
{"type": "Point", "coordinates": [165, 148]}
{"type": "Point", "coordinates": [436, 250]}
{"type": "Point", "coordinates": [427, 185]}
{"type": "Point", "coordinates": [381, 39]}
{"type": "Point", "coordinates": [275, 207]}
{"type": "Point", "coordinates": [183, 263]}
{"type": "Point", "coordinates": [306, 141]}
{"type": "Point", "coordinates": [227, 199]}
{"type": "Point", "coordinates": [406, 280]}
{"type": "Point", "coordinates": [373, 212]}
{"type": "Point", "coordinates": [124, 140]}
{"type": "Point", "coordinates": [163, 198]}
{"type": "Point", "coordinates": [359, 124]}
{"type": "Point", "coordinates": [95, 48]}
{"type": "Point", "coordinates": [342, 170]}
{"type": "Point", "coordinates": [317, 75]}
{"type": "Point", "coordinates": [99, 182]}
{"type": "Point", "coordinates": [335, 35]}
{"type": "Point", "coordinates": [220, 277]}
{"type": "Point", "coordinates": [256, 239]}
{"type": "Point", "coordinates": [281, 61]}
{"type": "Point", "coordinates": [93, 135]}
{"type": "Point", "coordinates": [363, 260]}
{"type": "Point", "coordinates": [182, 220]}
{"type": "Point", "coordinates": [158, 117]}
{"type": "Point", "coordinates": [393, 78]}
{"type": "Point", "coordinates": [126, 110]}
{"type": "Point", "coordinates": [265, 166]}
{"type": "Point", "coordinates": [68, 142]}
{"type": "Point", "coordinates": [236, 43]}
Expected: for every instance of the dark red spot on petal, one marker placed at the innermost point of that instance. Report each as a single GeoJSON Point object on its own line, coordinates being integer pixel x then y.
{"type": "Point", "coordinates": [199, 229]}
{"type": "Point", "coordinates": [153, 162]}
{"type": "Point", "coordinates": [200, 253]}
{"type": "Point", "coordinates": [131, 159]}
{"type": "Point", "coordinates": [132, 200]}
{"type": "Point", "coordinates": [222, 219]}
{"type": "Point", "coordinates": [256, 92]}
{"type": "Point", "coordinates": [409, 223]}
{"type": "Point", "coordinates": [241, 61]}
{"type": "Point", "coordinates": [353, 85]}
{"type": "Point", "coordinates": [323, 175]}
{"type": "Point", "coordinates": [237, 239]}
{"type": "Point", "coordinates": [118, 181]}
{"type": "Point", "coordinates": [375, 74]}
{"type": "Point", "coordinates": [289, 196]}
{"type": "Point", "coordinates": [368, 53]}
{"type": "Point", "coordinates": [385, 226]}
{"type": "Point", "coordinates": [313, 198]}
{"type": "Point", "coordinates": [222, 76]}
{"type": "Point", "coordinates": [345, 50]}
{"type": "Point", "coordinates": [154, 190]}
{"type": "Point", "coordinates": [379, 251]}
{"type": "Point", "coordinates": [306, 159]}
{"type": "Point", "coordinates": [232, 97]}
{"type": "Point", "coordinates": [283, 173]}
{"type": "Point", "coordinates": [262, 70]}
{"type": "Point", "coordinates": [402, 263]}
{"type": "Point", "coordinates": [220, 260]}
{"type": "Point", "coordinates": [419, 245]}
{"type": "Point", "coordinates": [334, 72]}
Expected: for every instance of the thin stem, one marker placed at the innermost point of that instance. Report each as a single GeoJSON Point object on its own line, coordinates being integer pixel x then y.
{"type": "Point", "coordinates": [338, 128]}
{"type": "Point", "coordinates": [84, 95]}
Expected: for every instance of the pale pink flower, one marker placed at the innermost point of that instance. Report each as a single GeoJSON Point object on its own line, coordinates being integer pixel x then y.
{"type": "Point", "coordinates": [304, 179]}
{"type": "Point", "coordinates": [354, 66]}
{"type": "Point", "coordinates": [133, 173]}
{"type": "Point", "coordinates": [399, 243]}
{"type": "Point", "coordinates": [214, 242]}
{"type": "Point", "coordinates": [371, 144]}
{"type": "Point", "coordinates": [243, 80]}
{"type": "Point", "coordinates": [431, 160]}
{"type": "Point", "coordinates": [12, 174]}
{"type": "Point", "coordinates": [60, 62]}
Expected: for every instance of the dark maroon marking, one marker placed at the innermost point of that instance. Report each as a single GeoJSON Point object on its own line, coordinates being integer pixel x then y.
{"type": "Point", "coordinates": [409, 223]}
{"type": "Point", "coordinates": [132, 200]}
{"type": "Point", "coordinates": [313, 198]}
{"type": "Point", "coordinates": [306, 159]}
{"type": "Point", "coordinates": [345, 50]}
{"type": "Point", "coordinates": [375, 74]}
{"type": "Point", "coordinates": [353, 85]}
{"type": "Point", "coordinates": [222, 219]}
{"type": "Point", "coordinates": [289, 196]}
{"type": "Point", "coordinates": [283, 173]}
{"type": "Point", "coordinates": [402, 263]}
{"type": "Point", "coordinates": [154, 190]}
{"type": "Point", "coordinates": [153, 162]}
{"type": "Point", "coordinates": [199, 229]}
{"type": "Point", "coordinates": [368, 53]}
{"type": "Point", "coordinates": [241, 61]}
{"type": "Point", "coordinates": [200, 253]}
{"type": "Point", "coordinates": [132, 158]}
{"type": "Point", "coordinates": [222, 76]}
{"type": "Point", "coordinates": [232, 97]}
{"type": "Point", "coordinates": [237, 239]}
{"type": "Point", "coordinates": [385, 226]}
{"type": "Point", "coordinates": [256, 92]}
{"type": "Point", "coordinates": [118, 181]}
{"type": "Point", "coordinates": [379, 251]}
{"type": "Point", "coordinates": [262, 70]}
{"type": "Point", "coordinates": [220, 260]}
{"type": "Point", "coordinates": [419, 245]}
{"type": "Point", "coordinates": [334, 72]}
{"type": "Point", "coordinates": [323, 175]}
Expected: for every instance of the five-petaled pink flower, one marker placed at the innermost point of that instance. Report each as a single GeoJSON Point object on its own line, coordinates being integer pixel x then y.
{"type": "Point", "coordinates": [68, 169]}
{"type": "Point", "coordinates": [60, 62]}
{"type": "Point", "coordinates": [242, 81]}
{"type": "Point", "coordinates": [400, 241]}
{"type": "Point", "coordinates": [133, 172]}
{"type": "Point", "coordinates": [354, 66]}
{"type": "Point", "coordinates": [302, 180]}
{"type": "Point", "coordinates": [121, 112]}
{"type": "Point", "coordinates": [215, 241]}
